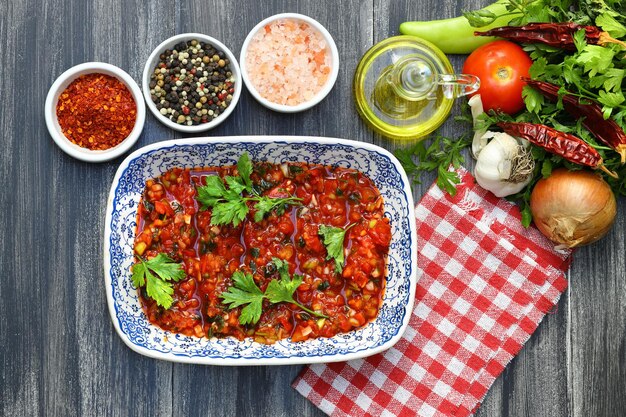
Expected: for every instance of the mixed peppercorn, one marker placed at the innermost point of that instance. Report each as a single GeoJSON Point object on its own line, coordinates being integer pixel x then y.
{"type": "Point", "coordinates": [192, 83]}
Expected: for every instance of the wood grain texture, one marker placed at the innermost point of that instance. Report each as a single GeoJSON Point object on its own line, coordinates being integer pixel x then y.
{"type": "Point", "coordinates": [59, 354]}
{"type": "Point", "coordinates": [597, 325]}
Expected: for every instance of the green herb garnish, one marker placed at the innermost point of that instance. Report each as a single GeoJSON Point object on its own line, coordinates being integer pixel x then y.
{"type": "Point", "coordinates": [228, 203]}
{"type": "Point", "coordinates": [156, 274]}
{"type": "Point", "coordinates": [333, 238]}
{"type": "Point", "coordinates": [440, 155]}
{"type": "Point", "coordinates": [245, 292]}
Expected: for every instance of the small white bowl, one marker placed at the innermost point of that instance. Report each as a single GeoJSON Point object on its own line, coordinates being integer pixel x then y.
{"type": "Point", "coordinates": [153, 61]}
{"type": "Point", "coordinates": [52, 122]}
{"type": "Point", "coordinates": [325, 89]}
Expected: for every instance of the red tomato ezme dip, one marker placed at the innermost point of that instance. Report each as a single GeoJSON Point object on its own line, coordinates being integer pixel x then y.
{"type": "Point", "coordinates": [172, 221]}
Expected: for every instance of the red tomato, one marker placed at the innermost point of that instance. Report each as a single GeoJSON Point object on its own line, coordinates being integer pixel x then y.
{"type": "Point", "coordinates": [499, 65]}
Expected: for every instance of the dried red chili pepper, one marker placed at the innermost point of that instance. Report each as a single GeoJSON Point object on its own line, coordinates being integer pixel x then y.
{"type": "Point", "coordinates": [606, 130]}
{"type": "Point", "coordinates": [559, 35]}
{"type": "Point", "coordinates": [96, 111]}
{"type": "Point", "coordinates": [566, 145]}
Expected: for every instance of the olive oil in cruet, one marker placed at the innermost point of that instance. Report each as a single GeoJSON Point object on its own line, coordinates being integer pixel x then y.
{"type": "Point", "coordinates": [404, 87]}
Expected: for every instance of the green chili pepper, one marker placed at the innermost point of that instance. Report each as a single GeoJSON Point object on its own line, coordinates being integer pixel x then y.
{"type": "Point", "coordinates": [456, 35]}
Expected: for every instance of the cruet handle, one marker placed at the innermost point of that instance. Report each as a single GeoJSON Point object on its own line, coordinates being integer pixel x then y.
{"type": "Point", "coordinates": [415, 79]}
{"type": "Point", "coordinates": [457, 85]}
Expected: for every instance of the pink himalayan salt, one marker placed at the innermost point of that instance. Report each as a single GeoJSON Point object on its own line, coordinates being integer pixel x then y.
{"type": "Point", "coordinates": [288, 62]}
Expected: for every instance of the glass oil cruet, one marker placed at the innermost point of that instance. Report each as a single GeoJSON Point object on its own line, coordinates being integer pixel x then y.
{"type": "Point", "coordinates": [404, 87]}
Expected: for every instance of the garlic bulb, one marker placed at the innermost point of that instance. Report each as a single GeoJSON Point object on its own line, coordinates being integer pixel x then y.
{"type": "Point", "coordinates": [504, 165]}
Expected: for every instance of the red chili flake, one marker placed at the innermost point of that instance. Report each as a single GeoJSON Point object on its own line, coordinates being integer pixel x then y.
{"type": "Point", "coordinates": [96, 111]}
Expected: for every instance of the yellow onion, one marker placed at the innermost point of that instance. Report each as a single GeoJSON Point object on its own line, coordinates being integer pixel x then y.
{"type": "Point", "coordinates": [573, 208]}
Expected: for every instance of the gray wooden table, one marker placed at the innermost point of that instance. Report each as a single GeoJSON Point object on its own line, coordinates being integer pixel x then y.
{"type": "Point", "coordinates": [59, 353]}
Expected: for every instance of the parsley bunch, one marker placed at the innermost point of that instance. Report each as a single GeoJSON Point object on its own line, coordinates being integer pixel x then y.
{"type": "Point", "coordinates": [245, 292]}
{"type": "Point", "coordinates": [583, 12]}
{"type": "Point", "coordinates": [157, 275]}
{"type": "Point", "coordinates": [229, 205]}
{"type": "Point", "coordinates": [590, 72]}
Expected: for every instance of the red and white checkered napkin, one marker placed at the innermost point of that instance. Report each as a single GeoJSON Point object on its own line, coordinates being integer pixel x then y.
{"type": "Point", "coordinates": [487, 282]}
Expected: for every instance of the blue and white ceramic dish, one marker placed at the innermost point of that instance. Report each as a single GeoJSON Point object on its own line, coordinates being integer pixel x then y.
{"type": "Point", "coordinates": [148, 162]}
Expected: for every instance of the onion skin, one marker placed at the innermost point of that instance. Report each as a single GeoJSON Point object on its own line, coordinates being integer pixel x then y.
{"type": "Point", "coordinates": [573, 208]}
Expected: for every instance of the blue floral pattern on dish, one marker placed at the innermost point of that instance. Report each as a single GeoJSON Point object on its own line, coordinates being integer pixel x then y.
{"type": "Point", "coordinates": [146, 338]}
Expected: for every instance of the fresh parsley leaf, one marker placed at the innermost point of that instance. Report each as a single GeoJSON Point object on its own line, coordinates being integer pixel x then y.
{"type": "Point", "coordinates": [266, 204]}
{"type": "Point", "coordinates": [229, 205]}
{"type": "Point", "coordinates": [139, 270]}
{"type": "Point", "coordinates": [609, 24]}
{"type": "Point", "coordinates": [244, 166]}
{"type": "Point", "coordinates": [156, 275]}
{"type": "Point", "coordinates": [439, 156]}
{"type": "Point", "coordinates": [620, 117]}
{"type": "Point", "coordinates": [405, 156]}
{"type": "Point", "coordinates": [527, 216]}
{"type": "Point", "coordinates": [572, 73]}
{"type": "Point", "coordinates": [159, 290]}
{"type": "Point", "coordinates": [533, 99]}
{"type": "Point", "coordinates": [534, 11]}
{"type": "Point", "coordinates": [538, 67]}
{"type": "Point", "coordinates": [236, 184]}
{"type": "Point", "coordinates": [282, 290]}
{"type": "Point", "coordinates": [229, 212]}
{"type": "Point", "coordinates": [596, 59]}
{"type": "Point", "coordinates": [245, 291]}
{"type": "Point", "coordinates": [610, 99]}
{"type": "Point", "coordinates": [212, 192]}
{"type": "Point", "coordinates": [333, 240]}
{"type": "Point", "coordinates": [166, 268]}
{"type": "Point", "coordinates": [580, 40]}
{"type": "Point", "coordinates": [612, 79]}
{"type": "Point", "coordinates": [447, 180]}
